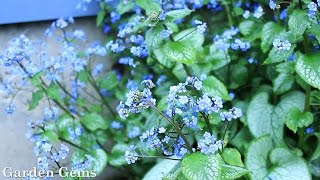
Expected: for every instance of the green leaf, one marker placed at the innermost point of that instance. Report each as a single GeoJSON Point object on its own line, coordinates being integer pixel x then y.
{"type": "Point", "coordinates": [308, 68]}
{"type": "Point", "coordinates": [191, 36]}
{"type": "Point", "coordinates": [276, 55]}
{"type": "Point", "coordinates": [288, 165]}
{"type": "Point", "coordinates": [242, 139]}
{"type": "Point", "coordinates": [232, 172]}
{"type": "Point", "coordinates": [175, 174]}
{"type": "Point", "coordinates": [214, 87]}
{"type": "Point", "coordinates": [298, 22]}
{"type": "Point", "coordinates": [93, 121]}
{"type": "Point", "coordinates": [50, 135]}
{"type": "Point", "coordinates": [100, 18]}
{"type": "Point", "coordinates": [180, 52]}
{"type": "Point", "coordinates": [247, 27]}
{"type": "Point", "coordinates": [53, 92]}
{"type": "Point", "coordinates": [269, 31]}
{"type": "Point", "coordinates": [217, 57]}
{"type": "Point", "coordinates": [83, 76]}
{"type": "Point", "coordinates": [283, 83]}
{"type": "Point", "coordinates": [179, 72]}
{"type": "Point", "coordinates": [116, 157]}
{"type": "Point", "coordinates": [160, 170]}
{"type": "Point", "coordinates": [296, 119]}
{"type": "Point", "coordinates": [153, 37]}
{"type": "Point", "coordinates": [177, 14]}
{"type": "Point", "coordinates": [315, 31]}
{"type": "Point", "coordinates": [257, 156]}
{"type": "Point", "coordinates": [110, 82]}
{"type": "Point", "coordinates": [150, 6]}
{"type": "Point", "coordinates": [162, 58]}
{"type": "Point", "coordinates": [265, 118]}
{"type": "Point", "coordinates": [124, 6]}
{"type": "Point", "coordinates": [239, 75]}
{"type": "Point", "coordinates": [283, 164]}
{"type": "Point", "coordinates": [197, 166]}
{"type": "Point", "coordinates": [232, 157]}
{"type": "Point", "coordinates": [36, 97]}
{"type": "Point", "coordinates": [99, 159]}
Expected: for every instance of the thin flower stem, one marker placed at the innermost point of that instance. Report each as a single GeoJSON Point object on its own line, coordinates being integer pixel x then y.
{"type": "Point", "coordinates": [225, 132]}
{"type": "Point", "coordinates": [94, 85]}
{"type": "Point", "coordinates": [178, 130]}
{"type": "Point", "coordinates": [72, 144]}
{"type": "Point", "coordinates": [206, 119]}
{"type": "Point", "coordinates": [163, 157]}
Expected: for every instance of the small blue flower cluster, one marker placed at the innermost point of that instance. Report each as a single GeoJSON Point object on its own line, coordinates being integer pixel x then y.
{"type": "Point", "coordinates": [209, 144]}
{"type": "Point", "coordinates": [233, 113]}
{"type": "Point", "coordinates": [131, 155]}
{"type": "Point", "coordinates": [272, 4]}
{"type": "Point", "coordinates": [186, 103]}
{"type": "Point", "coordinates": [227, 40]}
{"type": "Point", "coordinates": [137, 100]}
{"type": "Point", "coordinates": [313, 8]}
{"type": "Point", "coordinates": [84, 165]}
{"type": "Point", "coordinates": [48, 152]}
{"type": "Point", "coordinates": [201, 26]}
{"type": "Point", "coordinates": [165, 34]}
{"type": "Point", "coordinates": [257, 12]}
{"type": "Point", "coordinates": [282, 44]}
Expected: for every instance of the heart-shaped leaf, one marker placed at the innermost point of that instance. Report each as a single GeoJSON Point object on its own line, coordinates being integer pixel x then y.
{"type": "Point", "coordinates": [265, 118]}
{"type": "Point", "coordinates": [198, 166]}
{"type": "Point", "coordinates": [296, 119]}
{"type": "Point", "coordinates": [282, 165]}
{"type": "Point", "coordinates": [308, 68]}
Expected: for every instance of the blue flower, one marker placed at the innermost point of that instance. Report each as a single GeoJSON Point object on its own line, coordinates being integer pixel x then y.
{"type": "Point", "coordinates": [136, 102]}
{"type": "Point", "coordinates": [128, 61]}
{"type": "Point", "coordinates": [165, 34]}
{"type": "Point", "coordinates": [114, 17]}
{"type": "Point", "coordinates": [201, 26]}
{"type": "Point", "coordinates": [272, 4]}
{"type": "Point", "coordinates": [116, 125]}
{"type": "Point", "coordinates": [43, 163]}
{"type": "Point", "coordinates": [131, 155]}
{"type": "Point", "coordinates": [84, 165]}
{"type": "Point", "coordinates": [233, 113]}
{"type": "Point", "coordinates": [209, 144]}
{"type": "Point", "coordinates": [283, 14]}
{"type": "Point", "coordinates": [246, 14]}
{"type": "Point", "coordinates": [282, 44]}
{"type": "Point", "coordinates": [134, 132]}
{"type": "Point", "coordinates": [312, 9]}
{"type": "Point", "coordinates": [309, 130]}
{"type": "Point", "coordinates": [258, 12]}
{"type": "Point", "coordinates": [10, 109]}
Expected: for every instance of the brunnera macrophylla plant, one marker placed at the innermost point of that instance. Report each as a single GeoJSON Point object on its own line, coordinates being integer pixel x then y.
{"type": "Point", "coordinates": [220, 89]}
{"type": "Point", "coordinates": [264, 53]}
{"type": "Point", "coordinates": [186, 104]}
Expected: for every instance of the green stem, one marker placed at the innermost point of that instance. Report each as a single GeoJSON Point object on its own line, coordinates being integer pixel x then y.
{"type": "Point", "coordinates": [229, 16]}
{"type": "Point", "coordinates": [206, 120]}
{"type": "Point", "coordinates": [186, 68]}
{"type": "Point", "coordinates": [301, 143]}
{"type": "Point", "coordinates": [163, 157]}
{"type": "Point", "coordinates": [178, 130]}
{"type": "Point", "coordinates": [94, 85]}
